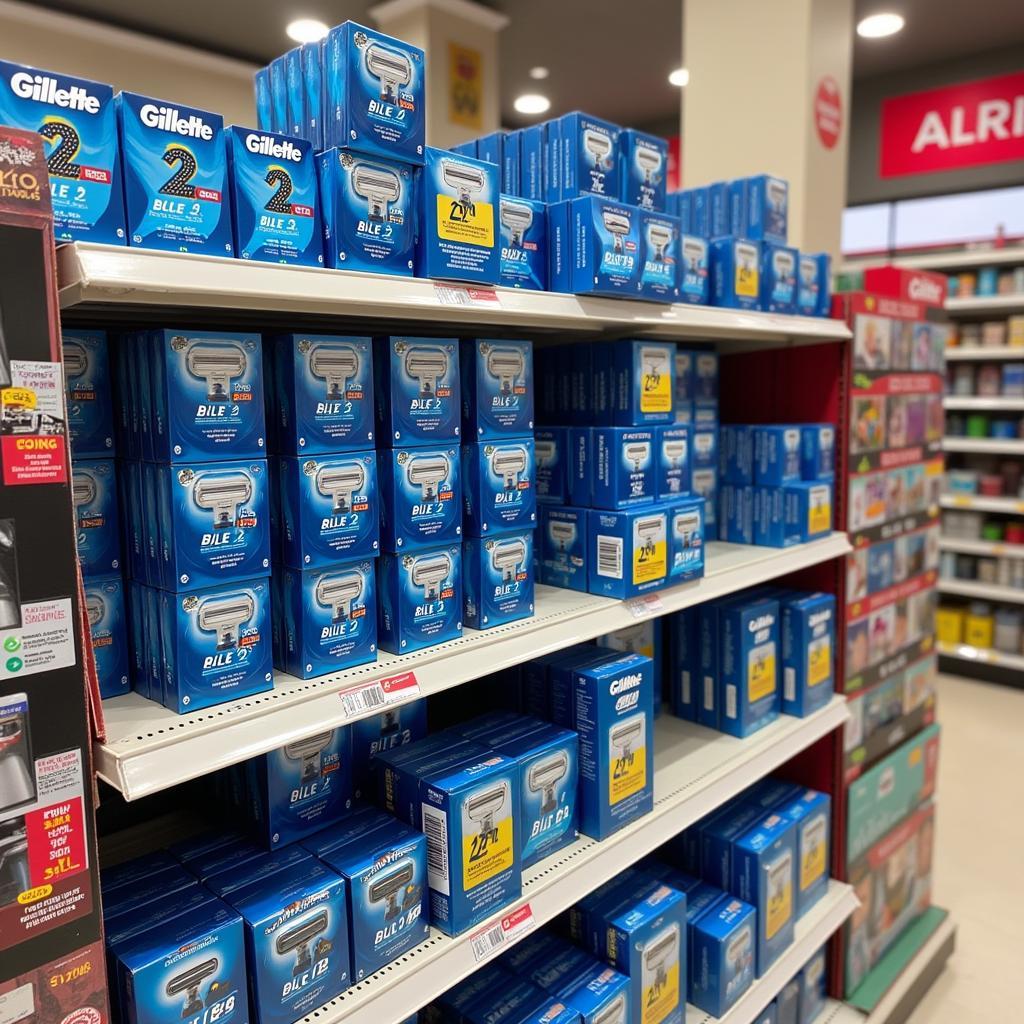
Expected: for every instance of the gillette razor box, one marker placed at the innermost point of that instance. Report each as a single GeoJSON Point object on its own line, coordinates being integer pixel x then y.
{"type": "Point", "coordinates": [661, 258]}
{"type": "Point", "coordinates": [685, 539]}
{"type": "Point", "coordinates": [776, 454]}
{"type": "Point", "coordinates": [614, 717]}
{"type": "Point", "coordinates": [257, 869]}
{"type": "Point", "coordinates": [297, 941]}
{"type": "Point", "coordinates": [817, 451]}
{"type": "Point", "coordinates": [672, 461]}
{"type": "Point", "coordinates": [421, 497]}
{"type": "Point", "coordinates": [771, 528]}
{"type": "Point", "coordinates": [375, 90]}
{"type": "Point", "coordinates": [767, 209]}
{"type": "Point", "coordinates": [458, 211]}
{"type": "Point", "coordinates": [498, 491]}
{"type": "Point", "coordinates": [275, 210]}
{"type": "Point", "coordinates": [295, 93]}
{"type": "Point", "coordinates": [562, 537]}
{"type": "Point", "coordinates": [683, 655]}
{"type": "Point", "coordinates": [396, 727]}
{"type": "Point", "coordinates": [108, 630]}
{"type": "Point", "coordinates": [77, 121]}
{"type": "Point", "coordinates": [551, 458]}
{"type": "Point", "coordinates": [470, 818]}
{"type": "Point", "coordinates": [278, 78]}
{"type": "Point", "coordinates": [693, 271]}
{"type": "Point", "coordinates": [497, 389]}
{"type": "Point", "coordinates": [417, 390]}
{"type": "Point", "coordinates": [207, 395]}
{"type": "Point", "coordinates": [176, 180]}
{"type": "Point", "coordinates": [524, 243]}
{"type": "Point", "coordinates": [323, 393]}
{"type": "Point", "coordinates": [807, 509]}
{"type": "Point", "coordinates": [811, 813]}
{"type": "Point", "coordinates": [327, 618]}
{"type": "Point", "coordinates": [215, 644]}
{"type": "Point", "coordinates": [625, 467]}
{"type": "Point", "coordinates": [90, 397]}
{"type": "Point", "coordinates": [749, 666]}
{"type": "Point", "coordinates": [643, 165]}
{"type": "Point", "coordinates": [329, 509]}
{"type": "Point", "coordinates": [813, 995]}
{"type": "Point", "coordinates": [594, 247]}
{"type": "Point", "coordinates": [808, 644]}
{"type": "Point", "coordinates": [735, 273]}
{"type": "Point", "coordinates": [722, 944]}
{"type": "Point", "coordinates": [369, 212]}
{"type": "Point", "coordinates": [497, 582]}
{"type": "Point", "coordinates": [627, 551]}
{"type": "Point", "coordinates": [580, 470]}
{"type": "Point", "coordinates": [813, 297]}
{"type": "Point", "coordinates": [582, 155]}
{"type": "Point", "coordinates": [420, 599]}
{"type": "Point", "coordinates": [736, 453]}
{"type": "Point", "coordinates": [778, 278]}
{"type": "Point", "coordinates": [94, 496]}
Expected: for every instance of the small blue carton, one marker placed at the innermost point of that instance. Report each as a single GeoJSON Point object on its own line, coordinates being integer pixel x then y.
{"type": "Point", "coordinates": [625, 467]}
{"type": "Point", "coordinates": [628, 551]}
{"type": "Point", "coordinates": [817, 451]}
{"type": "Point", "coordinates": [94, 495]}
{"type": "Point", "coordinates": [779, 265]}
{"type": "Point", "coordinates": [551, 464]}
{"type": "Point", "coordinates": [420, 599]}
{"type": "Point", "coordinates": [735, 273]}
{"type": "Point", "coordinates": [497, 389]}
{"type": "Point", "coordinates": [672, 444]}
{"type": "Point", "coordinates": [418, 397]}
{"type": "Point", "coordinates": [807, 509]}
{"type": "Point", "coordinates": [811, 812]}
{"type": "Point", "coordinates": [498, 486]}
{"type": "Point", "coordinates": [583, 154]}
{"type": "Point", "coordinates": [633, 382]}
{"type": "Point", "coordinates": [808, 652]}
{"type": "Point", "coordinates": [767, 208]}
{"type": "Point", "coordinates": [498, 580]}
{"type": "Point", "coordinates": [420, 497]}
{"type": "Point", "coordinates": [694, 276]}
{"type": "Point", "coordinates": [749, 666]}
{"type": "Point", "coordinates": [643, 167]}
{"type": "Point", "coordinates": [686, 539]}
{"type": "Point", "coordinates": [524, 243]}
{"type": "Point", "coordinates": [722, 942]}
{"type": "Point", "coordinates": [661, 256]}
{"type": "Point", "coordinates": [108, 631]}
{"type": "Point", "coordinates": [562, 538]}
{"type": "Point", "coordinates": [87, 384]}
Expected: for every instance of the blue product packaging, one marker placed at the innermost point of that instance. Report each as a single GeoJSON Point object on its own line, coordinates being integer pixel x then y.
{"type": "Point", "coordinates": [470, 818]}
{"type": "Point", "coordinates": [767, 209]}
{"type": "Point", "coordinates": [627, 551]}
{"type": "Point", "coordinates": [531, 162]}
{"type": "Point", "coordinates": [683, 643]}
{"type": "Point", "coordinates": [718, 209]}
{"type": "Point", "coordinates": [498, 486]}
{"type": "Point", "coordinates": [643, 165]}
{"type": "Point", "coordinates": [809, 285]}
{"type": "Point", "coordinates": [458, 210]}
{"type": "Point", "coordinates": [685, 539]}
{"type": "Point", "coordinates": [693, 272]}
{"type": "Point", "coordinates": [369, 212]}
{"type": "Point", "coordinates": [396, 727]}
{"type": "Point", "coordinates": [735, 273]}
{"type": "Point", "coordinates": [709, 638]}
{"type": "Point", "coordinates": [215, 644]}
{"type": "Point", "coordinates": [167, 883]}
{"type": "Point", "coordinates": [779, 265]}
{"type": "Point", "coordinates": [131, 872]}
{"type": "Point", "coordinates": [737, 514]}
{"type": "Point", "coordinates": [587, 151]}
{"type": "Point", "coordinates": [722, 942]}
{"type": "Point", "coordinates": [295, 94]}
{"type": "Point", "coordinates": [419, 599]}
{"type": "Point", "coordinates": [417, 393]}
{"type": "Point", "coordinates": [329, 509]}
{"type": "Point", "coordinates": [258, 869]}
{"type": "Point", "coordinates": [551, 464]}
{"type": "Point", "coordinates": [328, 618]}
{"type": "Point", "coordinates": [625, 467]}
{"type": "Point", "coordinates": [491, 148]}
{"type": "Point", "coordinates": [175, 176]}
{"type": "Point", "coordinates": [683, 380]}
{"type": "Point", "coordinates": [279, 94]}
{"type": "Point", "coordinates": [604, 257]}
{"type": "Point", "coordinates": [90, 397]}
{"type": "Point", "coordinates": [510, 157]}
{"type": "Point", "coordinates": [213, 521]}
{"type": "Point", "coordinates": [739, 218]}
{"type": "Point", "coordinates": [749, 667]}
{"type": "Point", "coordinates": [562, 537]}
{"type": "Point", "coordinates": [717, 834]}
{"type": "Point", "coordinates": [807, 509]}
{"type": "Point", "coordinates": [736, 454]}
{"type": "Point", "coordinates": [497, 389]}
{"type": "Point", "coordinates": [808, 645]}
{"type": "Point", "coordinates": [597, 993]}
{"type": "Point", "coordinates": [817, 451]}
{"type": "Point", "coordinates": [275, 210]}
{"type": "Point", "coordinates": [560, 678]}
{"type": "Point", "coordinates": [313, 87]}
{"type": "Point", "coordinates": [812, 988]}
{"type": "Point", "coordinates": [465, 148]}
{"type": "Point", "coordinates": [661, 257]}
{"type": "Point", "coordinates": [375, 90]}
{"type": "Point", "coordinates": [580, 443]}
{"type": "Point", "coordinates": [777, 454]}
{"type": "Point", "coordinates": [771, 528]}
{"type": "Point", "coordinates": [420, 497]}
{"type": "Point", "coordinates": [811, 812]}
{"type": "Point", "coordinates": [230, 857]}
{"type": "Point", "coordinates": [77, 121]}
{"type": "Point", "coordinates": [700, 211]}
{"type": "Point", "coordinates": [207, 396]}
{"type": "Point", "coordinates": [705, 377]}
{"type": "Point", "coordinates": [97, 516]}
{"type": "Point", "coordinates": [672, 455]}
{"type": "Point", "coordinates": [297, 941]}
{"type": "Point", "coordinates": [634, 382]}
{"type": "Point", "coordinates": [614, 717]}
{"type": "Point", "coordinates": [824, 261]}
{"type": "Point", "coordinates": [524, 243]}
{"type": "Point", "coordinates": [324, 392]}
{"type": "Point", "coordinates": [498, 579]}
{"type": "Point", "coordinates": [108, 631]}
{"type": "Point", "coordinates": [787, 1003]}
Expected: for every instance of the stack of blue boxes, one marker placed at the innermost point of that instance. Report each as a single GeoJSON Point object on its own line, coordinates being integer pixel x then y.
{"type": "Point", "coordinates": [696, 406]}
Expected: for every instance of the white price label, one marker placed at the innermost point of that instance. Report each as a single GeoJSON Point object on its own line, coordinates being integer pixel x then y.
{"type": "Point", "coordinates": [375, 696]}
{"type": "Point", "coordinates": [493, 938]}
{"type": "Point", "coordinates": [646, 606]}
{"type": "Point", "coordinates": [466, 295]}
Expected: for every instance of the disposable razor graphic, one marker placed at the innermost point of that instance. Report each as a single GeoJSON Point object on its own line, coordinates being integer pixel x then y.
{"type": "Point", "coordinates": [626, 735]}
{"type": "Point", "coordinates": [388, 887]}
{"type": "Point", "coordinates": [617, 225]}
{"type": "Point", "coordinates": [391, 67]}
{"type": "Point", "coordinates": [224, 616]}
{"type": "Point", "coordinates": [562, 533]}
{"type": "Point", "coordinates": [509, 463]}
{"type": "Point", "coordinates": [217, 365]}
{"type": "Point", "coordinates": [222, 495]}
{"type": "Point", "coordinates": [659, 238]}
{"type": "Point", "coordinates": [507, 365]}
{"type": "Point", "coordinates": [308, 753]}
{"type": "Point", "coordinates": [738, 951]}
{"type": "Point", "coordinates": [428, 366]}
{"type": "Point", "coordinates": [648, 160]}
{"type": "Point", "coordinates": [340, 483]}
{"type": "Point", "coordinates": [544, 452]}
{"type": "Point", "coordinates": [83, 488]}
{"type": "Point", "coordinates": [95, 606]}
{"type": "Point", "coordinates": [390, 722]}
{"type": "Point", "coordinates": [76, 362]}
{"type": "Point", "coordinates": [613, 1013]}
{"type": "Point", "coordinates": [686, 527]}
{"type": "Point", "coordinates": [507, 556]}
{"type": "Point", "coordinates": [188, 982]}
{"type": "Point", "coordinates": [14, 876]}
{"type": "Point", "coordinates": [648, 530]}
{"type": "Point", "coordinates": [694, 252]}
{"type": "Point", "coordinates": [465, 181]}
{"type": "Point", "coordinates": [378, 186]}
{"type": "Point", "coordinates": [428, 472]}
{"type": "Point", "coordinates": [483, 806]}
{"type": "Point", "coordinates": [339, 592]}
{"type": "Point", "coordinates": [517, 217]}
{"type": "Point", "coordinates": [544, 775]}
{"type": "Point", "coordinates": [658, 956]}
{"type": "Point", "coordinates": [429, 572]}
{"type": "Point", "coordinates": [296, 940]}
{"type": "Point", "coordinates": [637, 453]}
{"type": "Point", "coordinates": [597, 145]}
{"type": "Point", "coordinates": [336, 365]}
{"type": "Point", "coordinates": [674, 450]}
{"type": "Point", "coordinates": [775, 193]}
{"type": "Point", "coordinates": [12, 730]}
{"type": "Point", "coordinates": [654, 362]}
{"type": "Point", "coordinates": [780, 874]}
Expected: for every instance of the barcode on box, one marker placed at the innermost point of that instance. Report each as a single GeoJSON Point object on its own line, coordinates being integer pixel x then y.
{"type": "Point", "coordinates": [730, 701]}
{"type": "Point", "coordinates": [609, 557]}
{"type": "Point", "coordinates": [488, 942]}
{"type": "Point", "coordinates": [789, 675]}
{"type": "Point", "coordinates": [359, 702]}
{"type": "Point", "coordinates": [435, 828]}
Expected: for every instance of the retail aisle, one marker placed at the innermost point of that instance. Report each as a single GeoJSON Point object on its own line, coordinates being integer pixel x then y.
{"type": "Point", "coordinates": [980, 834]}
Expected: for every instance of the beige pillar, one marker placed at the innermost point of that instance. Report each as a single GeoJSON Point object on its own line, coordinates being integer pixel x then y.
{"type": "Point", "coordinates": [766, 81]}
{"type": "Point", "coordinates": [460, 40]}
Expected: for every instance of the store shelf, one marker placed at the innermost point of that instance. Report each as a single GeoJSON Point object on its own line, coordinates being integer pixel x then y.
{"type": "Point", "coordinates": [149, 748]}
{"type": "Point", "coordinates": [983, 404]}
{"type": "Point", "coordinates": [1009, 506]}
{"type": "Point", "coordinates": [964, 259]}
{"type": "Point", "coordinates": [976, 305]}
{"type": "Point", "coordinates": [106, 280]}
{"type": "Point", "coordinates": [961, 353]}
{"type": "Point", "coordinates": [981, 591]}
{"type": "Point", "coordinates": [984, 445]}
{"type": "Point", "coordinates": [995, 548]}
{"type": "Point", "coordinates": [983, 655]}
{"type": "Point", "coordinates": [696, 770]}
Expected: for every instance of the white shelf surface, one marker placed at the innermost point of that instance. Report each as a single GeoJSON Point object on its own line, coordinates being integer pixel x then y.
{"type": "Point", "coordinates": [982, 655]}
{"type": "Point", "coordinates": [115, 276]}
{"type": "Point", "coordinates": [149, 748]}
{"type": "Point", "coordinates": [981, 591]}
{"type": "Point", "coordinates": [1010, 506]}
{"type": "Point", "coordinates": [982, 403]}
{"type": "Point", "coordinates": [964, 259]}
{"type": "Point", "coordinates": [961, 353]}
{"type": "Point", "coordinates": [994, 548]}
{"type": "Point", "coordinates": [981, 305]}
{"type": "Point", "coordinates": [696, 770]}
{"type": "Point", "coordinates": [984, 445]}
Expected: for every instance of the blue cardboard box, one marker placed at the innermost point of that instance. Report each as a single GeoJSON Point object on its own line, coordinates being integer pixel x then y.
{"type": "Point", "coordinates": [737, 514]}
{"type": "Point", "coordinates": [625, 467]}
{"type": "Point", "coordinates": [94, 496]}
{"type": "Point", "coordinates": [777, 454]}
{"type": "Point", "coordinates": [722, 943]}
{"type": "Point", "coordinates": [771, 528]}
{"type": "Point", "coordinates": [90, 396]}
{"type": "Point", "coordinates": [749, 665]}
{"type": "Point", "coordinates": [662, 258]}
{"type": "Point", "coordinates": [418, 398]}
{"type": "Point", "coordinates": [420, 497]}
{"type": "Point", "coordinates": [524, 242]}
{"type": "Point", "coordinates": [498, 581]}
{"type": "Point", "coordinates": [718, 210]}
{"type": "Point", "coordinates": [313, 87]}
{"type": "Point", "coordinates": [633, 383]}
{"type": "Point", "coordinates": [813, 296]}
{"type": "Point", "coordinates": [813, 977]}
{"type": "Point", "coordinates": [498, 486]}
{"type": "Point", "coordinates": [420, 599]}
{"type": "Point", "coordinates": [694, 278]}
{"type": "Point", "coordinates": [735, 273]}
{"type": "Point", "coordinates": [278, 93]}
{"type": "Point", "coordinates": [531, 162]}
{"type": "Point", "coordinates": [562, 538]}
{"type": "Point", "coordinates": [510, 161]}
{"type": "Point", "coordinates": [808, 652]}
{"type": "Point", "coordinates": [736, 454]}
{"type": "Point", "coordinates": [396, 727]}
{"type": "Point", "coordinates": [583, 156]}
{"type": "Point", "coordinates": [295, 93]}
{"type": "Point", "coordinates": [817, 451]}
{"type": "Point", "coordinates": [673, 461]}
{"type": "Point", "coordinates": [108, 631]}
{"type": "Point", "coordinates": [807, 509]}
{"type": "Point", "coordinates": [779, 265]}
{"type": "Point", "coordinates": [551, 464]}
{"type": "Point", "coordinates": [594, 247]}
{"type": "Point", "coordinates": [258, 869]}
{"type": "Point", "coordinates": [643, 166]}
{"type": "Point", "coordinates": [811, 814]}
{"type": "Point", "coordinates": [497, 389]}
{"type": "Point", "coordinates": [767, 208]}
{"type": "Point", "coordinates": [686, 539]}
{"type": "Point", "coordinates": [627, 551]}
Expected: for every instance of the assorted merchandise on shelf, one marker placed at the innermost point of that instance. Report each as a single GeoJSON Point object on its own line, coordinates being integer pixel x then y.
{"type": "Point", "coordinates": [990, 334]}
{"type": "Point", "coordinates": [986, 282]}
{"type": "Point", "coordinates": [987, 380]}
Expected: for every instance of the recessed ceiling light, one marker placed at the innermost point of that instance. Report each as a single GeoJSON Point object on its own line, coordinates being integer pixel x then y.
{"type": "Point", "coordinates": [532, 103]}
{"type": "Point", "coordinates": [539, 73]}
{"type": "Point", "coordinates": [306, 30]}
{"type": "Point", "coordinates": [680, 77]}
{"type": "Point", "coordinates": [877, 26]}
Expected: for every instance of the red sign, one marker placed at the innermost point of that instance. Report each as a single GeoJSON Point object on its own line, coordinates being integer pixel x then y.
{"type": "Point", "coordinates": [828, 111]}
{"type": "Point", "coordinates": [33, 459]}
{"type": "Point", "coordinates": [965, 125]}
{"type": "Point", "coordinates": [912, 285]}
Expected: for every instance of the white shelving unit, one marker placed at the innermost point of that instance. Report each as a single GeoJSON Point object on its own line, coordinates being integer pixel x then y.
{"type": "Point", "coordinates": [989, 305]}
{"type": "Point", "coordinates": [980, 591]}
{"type": "Point", "coordinates": [960, 353]}
{"type": "Point", "coordinates": [964, 259]}
{"type": "Point", "coordinates": [984, 445]}
{"type": "Point", "coordinates": [995, 403]}
{"type": "Point", "coordinates": [993, 548]}
{"type": "Point", "coordinates": [982, 655]}
{"type": "Point", "coordinates": [1008, 506]}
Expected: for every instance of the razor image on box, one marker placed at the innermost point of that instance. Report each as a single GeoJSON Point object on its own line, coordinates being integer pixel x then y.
{"type": "Point", "coordinates": [76, 362]}
{"type": "Point", "coordinates": [224, 617]}
{"type": "Point", "coordinates": [428, 472]}
{"type": "Point", "coordinates": [658, 956]}
{"type": "Point", "coordinates": [517, 217]}
{"type": "Point", "coordinates": [188, 982]}
{"type": "Point", "coordinates": [222, 495]}
{"type": "Point", "coordinates": [613, 1013]}
{"type": "Point", "coordinates": [739, 952]}
{"type": "Point", "coordinates": [637, 453]}
{"type": "Point", "coordinates": [626, 735]}
{"type": "Point", "coordinates": [562, 533]}
{"type": "Point", "coordinates": [659, 237]}
{"type": "Point", "coordinates": [597, 145]}
{"type": "Point", "coordinates": [694, 253]}
{"type": "Point", "coordinates": [339, 592]}
{"type": "Point", "coordinates": [465, 181]}
{"type": "Point", "coordinates": [648, 529]}
{"type": "Point", "coordinates": [687, 528]}
{"type": "Point", "coordinates": [388, 887]}
{"type": "Point", "coordinates": [544, 775]}
{"type": "Point", "coordinates": [674, 451]}
{"type": "Point", "coordinates": [392, 68]}
{"type": "Point", "coordinates": [429, 572]}
{"type": "Point", "coordinates": [339, 483]}
{"type": "Point", "coordinates": [649, 160]}
{"type": "Point", "coordinates": [617, 226]}
{"type": "Point", "coordinates": [83, 488]}
{"type": "Point", "coordinates": [378, 186]}
{"type": "Point", "coordinates": [297, 939]}
{"type": "Point", "coordinates": [308, 753]}
{"type": "Point", "coordinates": [507, 365]}
{"type": "Point", "coordinates": [217, 365]}
{"type": "Point", "coordinates": [483, 806]}
{"type": "Point", "coordinates": [544, 451]}
{"type": "Point", "coordinates": [507, 556]}
{"type": "Point", "coordinates": [335, 365]}
{"type": "Point", "coordinates": [428, 366]}
{"type": "Point", "coordinates": [14, 874]}
{"type": "Point", "coordinates": [508, 463]}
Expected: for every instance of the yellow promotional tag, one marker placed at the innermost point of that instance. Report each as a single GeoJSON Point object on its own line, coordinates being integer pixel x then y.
{"type": "Point", "coordinates": [780, 898]}
{"type": "Point", "coordinates": [469, 223]}
{"type": "Point", "coordinates": [627, 774]}
{"type": "Point", "coordinates": [819, 661]}
{"type": "Point", "coordinates": [819, 516]}
{"type": "Point", "coordinates": [761, 678]}
{"type": "Point", "coordinates": [659, 1000]}
{"type": "Point", "coordinates": [650, 561]}
{"type": "Point", "coordinates": [486, 854]}
{"type": "Point", "coordinates": [656, 394]}
{"type": "Point", "coordinates": [21, 398]}
{"type": "Point", "coordinates": [747, 281]}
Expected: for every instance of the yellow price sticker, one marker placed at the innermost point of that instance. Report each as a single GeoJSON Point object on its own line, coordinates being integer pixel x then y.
{"type": "Point", "coordinates": [627, 774]}
{"type": "Point", "coordinates": [650, 561]}
{"type": "Point", "coordinates": [486, 853]}
{"type": "Point", "coordinates": [661, 997]}
{"type": "Point", "coordinates": [468, 223]}
{"type": "Point", "coordinates": [819, 661]}
{"type": "Point", "coordinates": [780, 897]}
{"type": "Point", "coordinates": [761, 676]}
{"type": "Point", "coordinates": [22, 398]}
{"type": "Point", "coordinates": [34, 895]}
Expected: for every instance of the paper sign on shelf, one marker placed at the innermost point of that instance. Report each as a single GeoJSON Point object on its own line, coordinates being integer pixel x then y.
{"type": "Point", "coordinates": [493, 938]}
{"type": "Point", "coordinates": [645, 606]}
{"type": "Point", "coordinates": [376, 695]}
{"type": "Point", "coordinates": [466, 295]}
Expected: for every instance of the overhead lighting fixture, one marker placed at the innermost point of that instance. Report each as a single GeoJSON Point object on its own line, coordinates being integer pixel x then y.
{"type": "Point", "coordinates": [679, 78]}
{"type": "Point", "coordinates": [878, 26]}
{"type": "Point", "coordinates": [306, 30]}
{"type": "Point", "coordinates": [532, 103]}
{"type": "Point", "coordinates": [538, 74]}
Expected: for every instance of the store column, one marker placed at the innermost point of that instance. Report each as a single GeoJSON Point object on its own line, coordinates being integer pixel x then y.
{"type": "Point", "coordinates": [769, 92]}
{"type": "Point", "coordinates": [460, 40]}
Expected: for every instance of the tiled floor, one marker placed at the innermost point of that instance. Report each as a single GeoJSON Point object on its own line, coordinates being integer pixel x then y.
{"type": "Point", "coordinates": [980, 854]}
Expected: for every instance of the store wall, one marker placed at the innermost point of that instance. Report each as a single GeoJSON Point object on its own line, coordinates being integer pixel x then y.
{"type": "Point", "coordinates": [864, 184]}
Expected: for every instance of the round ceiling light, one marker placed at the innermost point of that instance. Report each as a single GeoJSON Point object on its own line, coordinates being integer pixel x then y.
{"type": "Point", "coordinates": [306, 30]}
{"type": "Point", "coordinates": [539, 73]}
{"type": "Point", "coordinates": [878, 26]}
{"type": "Point", "coordinates": [679, 78]}
{"type": "Point", "coordinates": [532, 103]}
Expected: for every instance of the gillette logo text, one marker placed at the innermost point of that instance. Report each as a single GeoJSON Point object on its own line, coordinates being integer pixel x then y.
{"type": "Point", "coordinates": [44, 89]}
{"type": "Point", "coordinates": [167, 119]}
{"type": "Point", "coordinates": [264, 145]}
